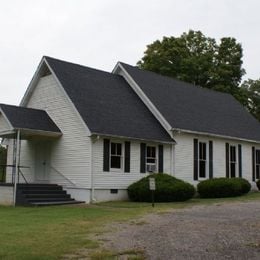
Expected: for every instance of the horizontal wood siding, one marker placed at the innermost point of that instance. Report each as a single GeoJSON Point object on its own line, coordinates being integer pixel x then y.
{"type": "Point", "coordinates": [9, 160]}
{"type": "Point", "coordinates": [27, 160]}
{"type": "Point", "coordinates": [167, 161]}
{"type": "Point", "coordinates": [121, 180]}
{"type": "Point", "coordinates": [70, 154]}
{"type": "Point", "coordinates": [183, 156]}
{"type": "Point", "coordinates": [3, 124]}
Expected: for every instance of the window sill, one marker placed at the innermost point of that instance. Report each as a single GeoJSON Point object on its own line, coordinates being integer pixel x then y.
{"type": "Point", "coordinates": [116, 170]}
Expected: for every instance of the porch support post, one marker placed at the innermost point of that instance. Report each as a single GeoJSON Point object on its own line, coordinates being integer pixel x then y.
{"type": "Point", "coordinates": [17, 160]}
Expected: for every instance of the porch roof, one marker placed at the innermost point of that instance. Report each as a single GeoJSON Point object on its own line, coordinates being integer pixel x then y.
{"type": "Point", "coordinates": [28, 120]}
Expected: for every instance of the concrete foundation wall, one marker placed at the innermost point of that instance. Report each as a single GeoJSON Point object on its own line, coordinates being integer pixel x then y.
{"type": "Point", "coordinates": [6, 195]}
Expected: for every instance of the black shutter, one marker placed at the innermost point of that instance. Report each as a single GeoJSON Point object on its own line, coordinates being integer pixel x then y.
{"type": "Point", "coordinates": [240, 161]}
{"type": "Point", "coordinates": [195, 163]}
{"type": "Point", "coordinates": [253, 163]}
{"type": "Point", "coordinates": [227, 160]}
{"type": "Point", "coordinates": [160, 168]}
{"type": "Point", "coordinates": [210, 159]}
{"type": "Point", "coordinates": [106, 155]}
{"type": "Point", "coordinates": [142, 157]}
{"type": "Point", "coordinates": [127, 156]}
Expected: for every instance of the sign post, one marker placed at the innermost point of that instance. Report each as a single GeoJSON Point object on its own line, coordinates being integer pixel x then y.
{"type": "Point", "coordinates": [152, 188]}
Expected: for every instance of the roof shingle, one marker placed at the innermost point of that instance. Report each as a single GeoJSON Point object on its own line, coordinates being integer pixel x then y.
{"type": "Point", "coordinates": [29, 118]}
{"type": "Point", "coordinates": [107, 103]}
{"type": "Point", "coordinates": [194, 108]}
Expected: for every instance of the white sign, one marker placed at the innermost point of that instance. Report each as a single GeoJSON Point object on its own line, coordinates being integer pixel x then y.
{"type": "Point", "coordinates": [152, 183]}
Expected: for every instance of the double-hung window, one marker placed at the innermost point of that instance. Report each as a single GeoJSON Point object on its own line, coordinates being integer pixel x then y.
{"type": "Point", "coordinates": [257, 164]}
{"type": "Point", "coordinates": [233, 161]}
{"type": "Point", "coordinates": [202, 160]}
{"type": "Point", "coordinates": [116, 155]}
{"type": "Point", "coordinates": [151, 158]}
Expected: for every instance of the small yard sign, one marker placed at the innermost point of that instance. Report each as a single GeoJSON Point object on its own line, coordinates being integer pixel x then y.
{"type": "Point", "coordinates": [152, 188]}
{"type": "Point", "coordinates": [152, 183]}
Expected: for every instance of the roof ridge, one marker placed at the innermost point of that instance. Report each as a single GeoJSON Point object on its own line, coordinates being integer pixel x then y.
{"type": "Point", "coordinates": [79, 65]}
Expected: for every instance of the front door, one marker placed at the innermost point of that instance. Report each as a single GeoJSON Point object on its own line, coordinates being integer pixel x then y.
{"type": "Point", "coordinates": [42, 161]}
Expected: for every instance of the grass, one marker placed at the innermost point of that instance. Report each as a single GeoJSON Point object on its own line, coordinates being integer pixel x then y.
{"type": "Point", "coordinates": [52, 232]}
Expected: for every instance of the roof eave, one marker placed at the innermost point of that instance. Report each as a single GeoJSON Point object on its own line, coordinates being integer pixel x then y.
{"type": "Point", "coordinates": [93, 134]}
{"type": "Point", "coordinates": [180, 130]}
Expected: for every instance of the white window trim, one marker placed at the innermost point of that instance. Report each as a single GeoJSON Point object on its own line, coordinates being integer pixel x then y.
{"type": "Point", "coordinates": [207, 160]}
{"type": "Point", "coordinates": [156, 158]}
{"type": "Point", "coordinates": [121, 157]}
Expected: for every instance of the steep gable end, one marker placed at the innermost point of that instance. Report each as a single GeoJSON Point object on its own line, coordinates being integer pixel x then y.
{"type": "Point", "coordinates": [106, 103]}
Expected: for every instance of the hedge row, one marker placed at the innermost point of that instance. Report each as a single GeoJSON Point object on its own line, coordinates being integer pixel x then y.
{"type": "Point", "coordinates": [168, 189]}
{"type": "Point", "coordinates": [223, 187]}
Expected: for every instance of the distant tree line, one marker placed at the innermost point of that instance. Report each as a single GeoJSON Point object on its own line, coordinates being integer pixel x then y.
{"type": "Point", "coordinates": [202, 61]}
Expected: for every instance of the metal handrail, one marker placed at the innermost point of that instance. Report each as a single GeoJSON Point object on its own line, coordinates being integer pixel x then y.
{"type": "Point", "coordinates": [20, 172]}
{"type": "Point", "coordinates": [62, 175]}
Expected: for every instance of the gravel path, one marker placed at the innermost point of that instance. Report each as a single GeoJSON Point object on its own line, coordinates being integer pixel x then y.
{"type": "Point", "coordinates": [220, 231]}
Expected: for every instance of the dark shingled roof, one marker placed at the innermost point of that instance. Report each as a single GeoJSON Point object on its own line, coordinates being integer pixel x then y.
{"type": "Point", "coordinates": [28, 118]}
{"type": "Point", "coordinates": [107, 103]}
{"type": "Point", "coordinates": [194, 108]}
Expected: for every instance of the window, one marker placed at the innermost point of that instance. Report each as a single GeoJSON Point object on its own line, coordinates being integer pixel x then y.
{"type": "Point", "coordinates": [202, 159]}
{"type": "Point", "coordinates": [257, 164]}
{"type": "Point", "coordinates": [150, 158]}
{"type": "Point", "coordinates": [232, 163]}
{"type": "Point", "coordinates": [116, 155]}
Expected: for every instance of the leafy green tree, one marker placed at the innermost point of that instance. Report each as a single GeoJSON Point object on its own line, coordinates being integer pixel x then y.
{"type": "Point", "coordinates": [251, 90]}
{"type": "Point", "coordinates": [197, 59]}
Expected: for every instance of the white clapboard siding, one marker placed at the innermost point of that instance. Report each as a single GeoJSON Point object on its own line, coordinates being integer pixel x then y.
{"type": "Point", "coordinates": [27, 159]}
{"type": "Point", "coordinates": [4, 126]}
{"type": "Point", "coordinates": [70, 154]}
{"type": "Point", "coordinates": [183, 156]}
{"type": "Point", "coordinates": [121, 180]}
{"type": "Point", "coordinates": [9, 160]}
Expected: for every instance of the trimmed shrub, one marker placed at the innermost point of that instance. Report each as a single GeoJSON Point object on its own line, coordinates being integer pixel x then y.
{"type": "Point", "coordinates": [168, 189]}
{"type": "Point", "coordinates": [258, 184]}
{"type": "Point", "coordinates": [223, 187]}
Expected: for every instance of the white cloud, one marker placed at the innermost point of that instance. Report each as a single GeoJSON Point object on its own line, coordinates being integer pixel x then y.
{"type": "Point", "coordinates": [99, 33]}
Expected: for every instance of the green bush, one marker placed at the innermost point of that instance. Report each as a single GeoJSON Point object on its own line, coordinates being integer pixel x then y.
{"type": "Point", "coordinates": [168, 189]}
{"type": "Point", "coordinates": [223, 187]}
{"type": "Point", "coordinates": [258, 184]}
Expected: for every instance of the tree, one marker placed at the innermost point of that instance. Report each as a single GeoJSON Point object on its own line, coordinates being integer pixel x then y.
{"type": "Point", "coordinates": [197, 59]}
{"type": "Point", "coordinates": [251, 90]}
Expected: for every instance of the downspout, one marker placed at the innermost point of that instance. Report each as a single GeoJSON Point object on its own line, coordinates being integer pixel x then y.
{"type": "Point", "coordinates": [92, 199]}
{"type": "Point", "coordinates": [17, 159]}
{"type": "Point", "coordinates": [93, 139]}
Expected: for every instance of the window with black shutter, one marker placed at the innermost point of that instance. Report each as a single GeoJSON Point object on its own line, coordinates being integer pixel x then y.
{"type": "Point", "coordinates": [232, 161]}
{"type": "Point", "coordinates": [257, 164]}
{"type": "Point", "coordinates": [116, 156]}
{"type": "Point", "coordinates": [202, 160]}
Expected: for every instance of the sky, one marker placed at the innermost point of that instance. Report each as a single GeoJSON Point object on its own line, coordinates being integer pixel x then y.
{"type": "Point", "coordinates": [101, 32]}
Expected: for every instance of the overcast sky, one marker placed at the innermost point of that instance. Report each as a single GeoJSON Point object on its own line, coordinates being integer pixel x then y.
{"type": "Point", "coordinates": [99, 33]}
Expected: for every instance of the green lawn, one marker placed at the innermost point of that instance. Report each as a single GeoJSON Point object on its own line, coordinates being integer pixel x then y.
{"type": "Point", "coordinates": [52, 232]}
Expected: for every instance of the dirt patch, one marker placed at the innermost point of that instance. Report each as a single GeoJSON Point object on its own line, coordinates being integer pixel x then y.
{"type": "Point", "coordinates": [220, 231]}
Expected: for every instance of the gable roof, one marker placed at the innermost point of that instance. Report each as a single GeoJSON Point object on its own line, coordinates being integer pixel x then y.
{"type": "Point", "coordinates": [193, 108]}
{"type": "Point", "coordinates": [106, 102]}
{"type": "Point", "coordinates": [28, 118]}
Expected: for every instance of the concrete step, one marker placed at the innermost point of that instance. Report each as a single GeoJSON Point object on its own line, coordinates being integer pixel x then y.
{"type": "Point", "coordinates": [53, 203]}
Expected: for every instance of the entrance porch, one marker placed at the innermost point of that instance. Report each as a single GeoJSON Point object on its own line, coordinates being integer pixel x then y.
{"type": "Point", "coordinates": [30, 179]}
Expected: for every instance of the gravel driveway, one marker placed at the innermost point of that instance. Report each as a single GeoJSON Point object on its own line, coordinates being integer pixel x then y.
{"type": "Point", "coordinates": [220, 231]}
